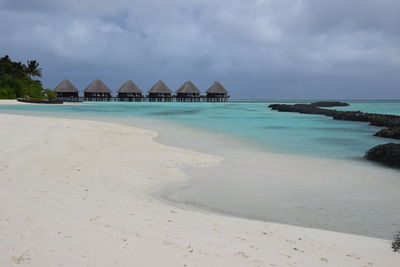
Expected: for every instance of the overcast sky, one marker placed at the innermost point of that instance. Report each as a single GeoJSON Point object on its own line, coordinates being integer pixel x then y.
{"type": "Point", "coordinates": [269, 49]}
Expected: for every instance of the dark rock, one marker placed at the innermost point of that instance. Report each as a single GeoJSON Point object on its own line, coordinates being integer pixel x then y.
{"type": "Point", "coordinates": [393, 132]}
{"type": "Point", "coordinates": [329, 104]}
{"type": "Point", "coordinates": [396, 242]}
{"type": "Point", "coordinates": [383, 120]}
{"type": "Point", "coordinates": [44, 101]}
{"type": "Point", "coordinates": [388, 154]}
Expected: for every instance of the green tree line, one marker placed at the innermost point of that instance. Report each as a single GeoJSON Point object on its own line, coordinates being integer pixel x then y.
{"type": "Point", "coordinates": [18, 80]}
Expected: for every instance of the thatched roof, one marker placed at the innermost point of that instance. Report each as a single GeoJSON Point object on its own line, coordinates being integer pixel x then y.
{"type": "Point", "coordinates": [66, 87]}
{"type": "Point", "coordinates": [160, 88]}
{"type": "Point", "coordinates": [97, 86]}
{"type": "Point", "coordinates": [216, 88]}
{"type": "Point", "coordinates": [129, 87]}
{"type": "Point", "coordinates": [188, 88]}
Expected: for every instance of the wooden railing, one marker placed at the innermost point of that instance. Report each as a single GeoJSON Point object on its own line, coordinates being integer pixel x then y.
{"type": "Point", "coordinates": [144, 99]}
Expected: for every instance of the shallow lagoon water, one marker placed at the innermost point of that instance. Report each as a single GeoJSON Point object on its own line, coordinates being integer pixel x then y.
{"type": "Point", "coordinates": [252, 122]}
{"type": "Point", "coordinates": [244, 132]}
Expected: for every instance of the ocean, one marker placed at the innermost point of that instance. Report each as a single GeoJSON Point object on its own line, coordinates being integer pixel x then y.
{"type": "Point", "coordinates": [246, 133]}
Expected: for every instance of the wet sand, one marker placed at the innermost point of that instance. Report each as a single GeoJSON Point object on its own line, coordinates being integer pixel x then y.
{"type": "Point", "coordinates": [77, 193]}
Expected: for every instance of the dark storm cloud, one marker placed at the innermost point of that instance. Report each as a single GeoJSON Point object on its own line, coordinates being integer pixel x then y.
{"type": "Point", "coordinates": [259, 49]}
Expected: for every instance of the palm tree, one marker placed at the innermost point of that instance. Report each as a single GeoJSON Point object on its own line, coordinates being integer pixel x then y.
{"type": "Point", "coordinates": [32, 69]}
{"type": "Point", "coordinates": [15, 69]}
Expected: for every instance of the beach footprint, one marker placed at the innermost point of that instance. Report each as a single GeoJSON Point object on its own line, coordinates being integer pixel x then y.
{"type": "Point", "coordinates": [25, 257]}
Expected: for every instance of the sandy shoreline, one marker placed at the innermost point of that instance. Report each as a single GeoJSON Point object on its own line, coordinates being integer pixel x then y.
{"type": "Point", "coordinates": [15, 102]}
{"type": "Point", "coordinates": [76, 193]}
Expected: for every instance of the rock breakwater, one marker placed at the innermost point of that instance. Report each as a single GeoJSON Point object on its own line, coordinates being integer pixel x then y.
{"type": "Point", "coordinates": [387, 154]}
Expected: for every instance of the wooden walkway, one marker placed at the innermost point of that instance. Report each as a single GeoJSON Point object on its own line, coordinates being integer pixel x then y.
{"type": "Point", "coordinates": [142, 99]}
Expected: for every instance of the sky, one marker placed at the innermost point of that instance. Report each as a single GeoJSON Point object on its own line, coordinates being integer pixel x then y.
{"type": "Point", "coordinates": [258, 49]}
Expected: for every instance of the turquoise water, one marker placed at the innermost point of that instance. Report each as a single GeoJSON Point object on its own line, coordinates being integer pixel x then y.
{"type": "Point", "coordinates": [364, 203]}
{"type": "Point", "coordinates": [385, 107]}
{"type": "Point", "coordinates": [252, 122]}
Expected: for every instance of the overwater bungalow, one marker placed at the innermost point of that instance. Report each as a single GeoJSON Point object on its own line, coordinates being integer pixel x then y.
{"type": "Point", "coordinates": [188, 92]}
{"type": "Point", "coordinates": [66, 91]}
{"type": "Point", "coordinates": [217, 93]}
{"type": "Point", "coordinates": [129, 91]}
{"type": "Point", "coordinates": [160, 93]}
{"type": "Point", "coordinates": [97, 91]}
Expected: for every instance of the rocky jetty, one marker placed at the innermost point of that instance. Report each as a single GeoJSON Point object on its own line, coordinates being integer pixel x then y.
{"type": "Point", "coordinates": [388, 154]}
{"type": "Point", "coordinates": [389, 133]}
{"type": "Point", "coordinates": [329, 104]}
{"type": "Point", "coordinates": [382, 120]}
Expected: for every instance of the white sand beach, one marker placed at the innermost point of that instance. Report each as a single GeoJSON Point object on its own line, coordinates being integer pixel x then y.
{"type": "Point", "coordinates": [77, 193]}
{"type": "Point", "coordinates": [12, 102]}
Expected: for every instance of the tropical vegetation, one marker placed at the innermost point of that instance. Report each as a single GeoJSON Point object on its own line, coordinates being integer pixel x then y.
{"type": "Point", "coordinates": [18, 80]}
